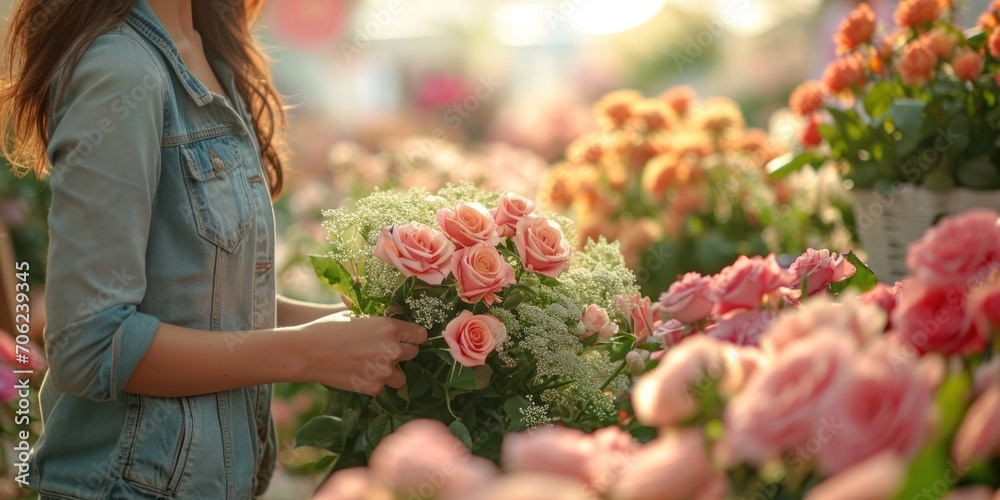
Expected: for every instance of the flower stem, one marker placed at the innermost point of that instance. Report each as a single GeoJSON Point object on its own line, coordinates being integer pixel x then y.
{"type": "Point", "coordinates": [614, 375]}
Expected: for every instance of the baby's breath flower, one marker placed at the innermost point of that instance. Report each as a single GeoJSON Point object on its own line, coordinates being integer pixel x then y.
{"type": "Point", "coordinates": [429, 311]}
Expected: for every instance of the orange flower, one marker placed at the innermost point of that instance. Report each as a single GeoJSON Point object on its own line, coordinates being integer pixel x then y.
{"type": "Point", "coordinates": [664, 172]}
{"type": "Point", "coordinates": [916, 66]}
{"type": "Point", "coordinates": [876, 63]}
{"type": "Point", "coordinates": [614, 109]}
{"type": "Point", "coordinates": [588, 148]}
{"type": "Point", "coordinates": [810, 134]}
{"type": "Point", "coordinates": [968, 64]}
{"type": "Point", "coordinates": [719, 114]}
{"type": "Point", "coordinates": [941, 41]}
{"type": "Point", "coordinates": [653, 114]}
{"type": "Point", "coordinates": [690, 143]}
{"type": "Point", "coordinates": [988, 21]}
{"type": "Point", "coordinates": [807, 98]}
{"type": "Point", "coordinates": [913, 13]}
{"type": "Point", "coordinates": [559, 187]}
{"type": "Point", "coordinates": [841, 74]}
{"type": "Point", "coordinates": [857, 28]}
{"type": "Point", "coordinates": [636, 236]}
{"type": "Point", "coordinates": [994, 44]}
{"type": "Point", "coordinates": [679, 99]}
{"type": "Point", "coordinates": [885, 44]}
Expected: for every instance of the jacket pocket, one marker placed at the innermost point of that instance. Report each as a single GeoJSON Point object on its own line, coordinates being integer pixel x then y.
{"type": "Point", "coordinates": [213, 175]}
{"type": "Point", "coordinates": [161, 436]}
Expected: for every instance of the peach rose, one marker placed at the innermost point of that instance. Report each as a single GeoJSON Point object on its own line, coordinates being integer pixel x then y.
{"type": "Point", "coordinates": [670, 332]}
{"type": "Point", "coordinates": [640, 315]}
{"type": "Point", "coordinates": [941, 41]}
{"type": "Point", "coordinates": [468, 224]}
{"type": "Point", "coordinates": [781, 406]}
{"type": "Point", "coordinates": [745, 283]}
{"type": "Point", "coordinates": [978, 437]}
{"type": "Point", "coordinates": [473, 337]}
{"type": "Point", "coordinates": [510, 210]}
{"type": "Point", "coordinates": [958, 250]}
{"type": "Point", "coordinates": [481, 273]}
{"type": "Point", "coordinates": [878, 477]}
{"type": "Point", "coordinates": [820, 268]}
{"type": "Point", "coordinates": [416, 250]}
{"type": "Point", "coordinates": [542, 247]}
{"type": "Point", "coordinates": [933, 319]}
{"type": "Point", "coordinates": [666, 395]}
{"type": "Point", "coordinates": [673, 466]}
{"type": "Point", "coordinates": [884, 403]}
{"type": "Point", "coordinates": [811, 137]}
{"type": "Point", "coordinates": [533, 486]}
{"type": "Point", "coordinates": [850, 319]}
{"type": "Point", "coordinates": [917, 63]}
{"type": "Point", "coordinates": [987, 21]}
{"type": "Point", "coordinates": [807, 98]}
{"type": "Point", "coordinates": [688, 299]}
{"type": "Point", "coordinates": [595, 320]}
{"type": "Point", "coordinates": [421, 449]}
{"type": "Point", "coordinates": [913, 13]}
{"type": "Point", "coordinates": [356, 483]}
{"type": "Point", "coordinates": [842, 74]}
{"type": "Point", "coordinates": [857, 28]}
{"type": "Point", "coordinates": [968, 64]}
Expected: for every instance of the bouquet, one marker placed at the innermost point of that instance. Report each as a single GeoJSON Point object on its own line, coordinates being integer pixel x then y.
{"type": "Point", "coordinates": [523, 331]}
{"type": "Point", "coordinates": [681, 184]}
{"type": "Point", "coordinates": [895, 394]}
{"type": "Point", "coordinates": [913, 102]}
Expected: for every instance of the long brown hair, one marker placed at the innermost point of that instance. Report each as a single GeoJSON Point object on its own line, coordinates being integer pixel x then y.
{"type": "Point", "coordinates": [41, 33]}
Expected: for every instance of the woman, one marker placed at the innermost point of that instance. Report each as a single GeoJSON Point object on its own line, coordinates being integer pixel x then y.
{"type": "Point", "coordinates": [160, 123]}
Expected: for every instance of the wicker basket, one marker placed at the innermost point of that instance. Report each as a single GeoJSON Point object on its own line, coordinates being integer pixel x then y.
{"type": "Point", "coordinates": [888, 222]}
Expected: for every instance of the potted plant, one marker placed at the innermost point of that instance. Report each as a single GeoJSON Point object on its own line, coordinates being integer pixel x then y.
{"type": "Point", "coordinates": [910, 111]}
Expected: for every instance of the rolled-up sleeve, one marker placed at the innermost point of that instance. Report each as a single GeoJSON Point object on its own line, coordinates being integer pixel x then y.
{"type": "Point", "coordinates": [105, 150]}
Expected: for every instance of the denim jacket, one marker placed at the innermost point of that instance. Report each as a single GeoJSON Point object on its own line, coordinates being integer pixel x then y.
{"type": "Point", "coordinates": [160, 212]}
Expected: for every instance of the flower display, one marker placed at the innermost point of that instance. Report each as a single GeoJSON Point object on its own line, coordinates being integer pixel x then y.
{"type": "Point", "coordinates": [524, 330]}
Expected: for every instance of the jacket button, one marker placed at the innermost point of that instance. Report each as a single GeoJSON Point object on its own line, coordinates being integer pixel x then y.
{"type": "Point", "coordinates": [218, 165]}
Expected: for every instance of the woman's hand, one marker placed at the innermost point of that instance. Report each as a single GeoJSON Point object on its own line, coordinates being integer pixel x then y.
{"type": "Point", "coordinates": [357, 354]}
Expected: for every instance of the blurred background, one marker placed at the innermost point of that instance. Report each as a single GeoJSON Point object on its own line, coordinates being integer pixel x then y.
{"type": "Point", "coordinates": [399, 93]}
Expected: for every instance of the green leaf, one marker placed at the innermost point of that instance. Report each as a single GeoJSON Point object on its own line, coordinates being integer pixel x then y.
{"type": "Point", "coordinates": [864, 278]}
{"type": "Point", "coordinates": [470, 379]}
{"type": "Point", "coordinates": [513, 300]}
{"type": "Point", "coordinates": [322, 431]}
{"type": "Point", "coordinates": [908, 116]}
{"type": "Point", "coordinates": [461, 432]}
{"type": "Point", "coordinates": [978, 173]}
{"type": "Point", "coordinates": [331, 272]}
{"type": "Point", "coordinates": [380, 427]}
{"type": "Point", "coordinates": [512, 408]}
{"type": "Point", "coordinates": [878, 99]}
{"type": "Point", "coordinates": [324, 462]}
{"type": "Point", "coordinates": [643, 433]}
{"type": "Point", "coordinates": [782, 166]}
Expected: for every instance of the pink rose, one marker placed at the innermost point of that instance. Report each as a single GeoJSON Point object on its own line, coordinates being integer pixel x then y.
{"type": "Point", "coordinates": [592, 459]}
{"type": "Point", "coordinates": [473, 337]}
{"type": "Point", "coordinates": [688, 299]}
{"type": "Point", "coordinates": [640, 316]}
{"type": "Point", "coordinates": [883, 403]}
{"type": "Point", "coordinates": [421, 449]}
{"type": "Point", "coordinates": [510, 210]}
{"type": "Point", "coordinates": [781, 406]}
{"type": "Point", "coordinates": [542, 247]}
{"type": "Point", "coordinates": [850, 319]}
{"type": "Point", "coordinates": [820, 268]}
{"type": "Point", "coordinates": [670, 332]}
{"type": "Point", "coordinates": [933, 319]}
{"type": "Point", "coordinates": [533, 486]}
{"type": "Point", "coordinates": [673, 466]}
{"type": "Point", "coordinates": [978, 437]}
{"type": "Point", "coordinates": [883, 296]}
{"type": "Point", "coordinates": [743, 328]}
{"type": "Point", "coordinates": [745, 283]}
{"type": "Point", "coordinates": [984, 307]}
{"type": "Point", "coordinates": [416, 250]}
{"type": "Point", "coordinates": [880, 476]}
{"type": "Point", "coordinates": [481, 273]}
{"type": "Point", "coordinates": [468, 224]}
{"type": "Point", "coordinates": [959, 249]}
{"type": "Point", "coordinates": [7, 382]}
{"type": "Point", "coordinates": [356, 483]}
{"type": "Point", "coordinates": [595, 320]}
{"type": "Point", "coordinates": [667, 394]}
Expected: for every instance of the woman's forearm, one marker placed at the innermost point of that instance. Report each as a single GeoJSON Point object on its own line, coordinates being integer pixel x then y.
{"type": "Point", "coordinates": [293, 312]}
{"type": "Point", "coordinates": [185, 362]}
